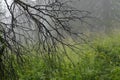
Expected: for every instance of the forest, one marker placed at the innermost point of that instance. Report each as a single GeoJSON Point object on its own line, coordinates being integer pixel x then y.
{"type": "Point", "coordinates": [59, 39]}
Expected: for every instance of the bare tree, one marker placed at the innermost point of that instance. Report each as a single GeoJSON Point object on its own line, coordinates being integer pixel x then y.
{"type": "Point", "coordinates": [50, 23]}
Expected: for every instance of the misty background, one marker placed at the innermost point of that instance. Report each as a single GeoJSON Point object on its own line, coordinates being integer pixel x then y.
{"type": "Point", "coordinates": [103, 15]}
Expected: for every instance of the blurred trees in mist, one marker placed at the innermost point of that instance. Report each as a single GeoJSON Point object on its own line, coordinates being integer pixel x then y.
{"type": "Point", "coordinates": [104, 14]}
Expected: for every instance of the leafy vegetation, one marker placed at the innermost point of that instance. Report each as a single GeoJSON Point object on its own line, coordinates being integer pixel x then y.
{"type": "Point", "coordinates": [98, 61]}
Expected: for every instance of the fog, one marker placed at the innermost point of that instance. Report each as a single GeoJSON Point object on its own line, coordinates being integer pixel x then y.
{"type": "Point", "coordinates": [102, 16]}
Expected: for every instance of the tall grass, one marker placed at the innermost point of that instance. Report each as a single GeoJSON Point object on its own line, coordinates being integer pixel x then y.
{"type": "Point", "coordinates": [98, 61]}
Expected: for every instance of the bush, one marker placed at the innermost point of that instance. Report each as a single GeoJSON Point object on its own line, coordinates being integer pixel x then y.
{"type": "Point", "coordinates": [99, 62]}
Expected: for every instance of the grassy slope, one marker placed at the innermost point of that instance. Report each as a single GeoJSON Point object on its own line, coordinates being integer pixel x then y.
{"type": "Point", "coordinates": [99, 62]}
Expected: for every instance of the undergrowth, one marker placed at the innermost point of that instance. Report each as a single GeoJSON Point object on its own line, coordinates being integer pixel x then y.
{"type": "Point", "coordinates": [98, 61]}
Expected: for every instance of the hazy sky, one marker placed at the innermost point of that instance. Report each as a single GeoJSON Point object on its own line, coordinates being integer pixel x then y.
{"type": "Point", "coordinates": [5, 7]}
{"type": "Point", "coordinates": [9, 1]}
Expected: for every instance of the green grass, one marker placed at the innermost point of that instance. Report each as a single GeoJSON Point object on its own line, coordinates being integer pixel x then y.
{"type": "Point", "coordinates": [98, 61]}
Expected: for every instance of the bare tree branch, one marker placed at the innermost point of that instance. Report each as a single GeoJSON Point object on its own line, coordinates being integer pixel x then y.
{"type": "Point", "coordinates": [44, 25]}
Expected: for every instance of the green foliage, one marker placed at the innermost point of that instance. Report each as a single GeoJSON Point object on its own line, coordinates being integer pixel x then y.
{"type": "Point", "coordinates": [99, 62]}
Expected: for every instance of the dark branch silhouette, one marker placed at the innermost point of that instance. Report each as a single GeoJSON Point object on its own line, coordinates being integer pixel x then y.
{"type": "Point", "coordinates": [44, 26]}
